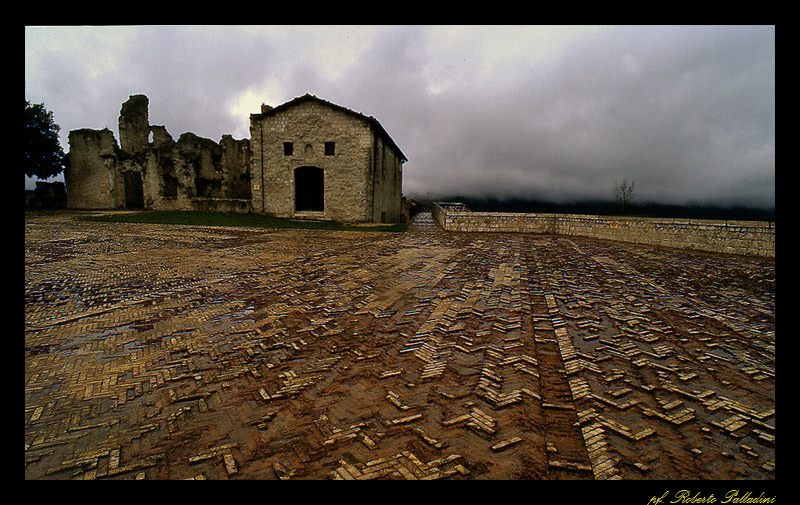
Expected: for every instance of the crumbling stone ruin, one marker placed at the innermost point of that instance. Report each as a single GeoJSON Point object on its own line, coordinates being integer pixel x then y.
{"type": "Point", "coordinates": [148, 169]}
{"type": "Point", "coordinates": [306, 158]}
{"type": "Point", "coordinates": [46, 195]}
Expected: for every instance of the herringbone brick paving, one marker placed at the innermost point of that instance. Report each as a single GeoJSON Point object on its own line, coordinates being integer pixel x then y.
{"type": "Point", "coordinates": [179, 352]}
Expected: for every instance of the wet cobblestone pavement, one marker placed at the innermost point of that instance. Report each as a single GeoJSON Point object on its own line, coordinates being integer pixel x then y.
{"type": "Point", "coordinates": [180, 352]}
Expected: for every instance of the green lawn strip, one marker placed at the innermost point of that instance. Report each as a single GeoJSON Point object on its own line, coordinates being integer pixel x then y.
{"type": "Point", "coordinates": [197, 218]}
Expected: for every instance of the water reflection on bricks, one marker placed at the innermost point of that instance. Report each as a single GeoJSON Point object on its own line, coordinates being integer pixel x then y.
{"type": "Point", "coordinates": [180, 352]}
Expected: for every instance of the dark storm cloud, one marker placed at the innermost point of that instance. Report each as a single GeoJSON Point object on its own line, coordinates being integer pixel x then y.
{"type": "Point", "coordinates": [558, 113]}
{"type": "Point", "coordinates": [687, 113]}
{"type": "Point", "coordinates": [190, 76]}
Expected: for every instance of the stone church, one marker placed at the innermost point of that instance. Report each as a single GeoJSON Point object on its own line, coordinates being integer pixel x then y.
{"type": "Point", "coordinates": [306, 158]}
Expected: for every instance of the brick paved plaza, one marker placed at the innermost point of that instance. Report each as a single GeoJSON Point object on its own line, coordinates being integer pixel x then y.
{"type": "Point", "coordinates": [179, 352]}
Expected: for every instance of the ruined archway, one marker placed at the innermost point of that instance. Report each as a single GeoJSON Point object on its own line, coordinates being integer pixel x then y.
{"type": "Point", "coordinates": [309, 189]}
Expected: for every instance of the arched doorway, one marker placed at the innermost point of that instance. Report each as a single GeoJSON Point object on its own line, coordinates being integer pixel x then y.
{"type": "Point", "coordinates": [309, 189]}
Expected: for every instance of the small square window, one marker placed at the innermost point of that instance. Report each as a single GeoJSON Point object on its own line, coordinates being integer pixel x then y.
{"type": "Point", "coordinates": [288, 148]}
{"type": "Point", "coordinates": [330, 148]}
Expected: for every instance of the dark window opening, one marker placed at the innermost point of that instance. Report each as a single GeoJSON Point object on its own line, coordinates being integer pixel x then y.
{"type": "Point", "coordinates": [288, 148]}
{"type": "Point", "coordinates": [309, 184]}
{"type": "Point", "coordinates": [170, 186]}
{"type": "Point", "coordinates": [208, 188]}
{"type": "Point", "coordinates": [330, 148]}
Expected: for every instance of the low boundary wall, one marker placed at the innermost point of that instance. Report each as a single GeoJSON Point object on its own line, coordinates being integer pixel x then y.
{"type": "Point", "coordinates": [752, 238]}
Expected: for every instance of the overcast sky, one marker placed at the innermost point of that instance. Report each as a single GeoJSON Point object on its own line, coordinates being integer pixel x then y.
{"type": "Point", "coordinates": [553, 112]}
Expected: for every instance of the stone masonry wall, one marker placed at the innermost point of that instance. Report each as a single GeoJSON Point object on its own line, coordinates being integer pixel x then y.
{"type": "Point", "coordinates": [387, 184]}
{"type": "Point", "coordinates": [308, 126]}
{"type": "Point", "coordinates": [89, 176]}
{"type": "Point", "coordinates": [192, 173]}
{"type": "Point", "coordinates": [134, 124]}
{"type": "Point", "coordinates": [731, 237]}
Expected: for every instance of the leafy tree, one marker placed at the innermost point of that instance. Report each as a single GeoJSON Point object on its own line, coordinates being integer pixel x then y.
{"type": "Point", "coordinates": [623, 193]}
{"type": "Point", "coordinates": [44, 157]}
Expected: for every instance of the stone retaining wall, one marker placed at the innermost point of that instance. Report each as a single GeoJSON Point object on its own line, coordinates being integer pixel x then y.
{"type": "Point", "coordinates": [752, 238]}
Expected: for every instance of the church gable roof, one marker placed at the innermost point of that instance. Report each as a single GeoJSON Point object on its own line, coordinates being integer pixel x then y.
{"type": "Point", "coordinates": [309, 97]}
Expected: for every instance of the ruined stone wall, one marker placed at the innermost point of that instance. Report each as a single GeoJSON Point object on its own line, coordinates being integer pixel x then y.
{"type": "Point", "coordinates": [134, 124]}
{"type": "Point", "coordinates": [308, 126]}
{"type": "Point", "coordinates": [89, 177]}
{"type": "Point", "coordinates": [194, 173]}
{"type": "Point", "coordinates": [165, 174]}
{"type": "Point", "coordinates": [731, 237]}
{"type": "Point", "coordinates": [47, 195]}
{"type": "Point", "coordinates": [236, 166]}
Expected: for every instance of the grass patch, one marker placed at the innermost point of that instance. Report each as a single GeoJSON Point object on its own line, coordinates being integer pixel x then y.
{"type": "Point", "coordinates": [198, 218]}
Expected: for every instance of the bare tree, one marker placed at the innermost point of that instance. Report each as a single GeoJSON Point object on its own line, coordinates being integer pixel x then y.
{"type": "Point", "coordinates": [623, 193]}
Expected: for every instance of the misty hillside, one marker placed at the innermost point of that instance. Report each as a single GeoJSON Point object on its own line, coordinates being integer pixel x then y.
{"type": "Point", "coordinates": [613, 209]}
